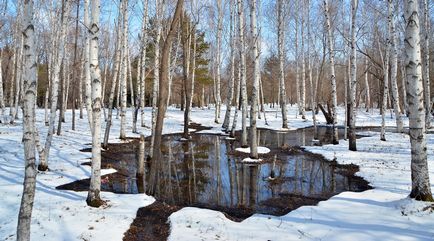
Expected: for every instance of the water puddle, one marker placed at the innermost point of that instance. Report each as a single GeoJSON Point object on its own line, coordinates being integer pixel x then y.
{"type": "Point", "coordinates": [207, 172]}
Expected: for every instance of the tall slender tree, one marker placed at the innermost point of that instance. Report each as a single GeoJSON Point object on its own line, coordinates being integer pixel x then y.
{"type": "Point", "coordinates": [281, 44]}
{"type": "Point", "coordinates": [330, 44]}
{"type": "Point", "coordinates": [426, 62]}
{"type": "Point", "coordinates": [255, 88]}
{"type": "Point", "coordinates": [353, 78]}
{"type": "Point", "coordinates": [29, 129]}
{"type": "Point", "coordinates": [93, 196]}
{"type": "Point", "coordinates": [230, 94]}
{"type": "Point", "coordinates": [124, 73]}
{"type": "Point", "coordinates": [421, 188]}
{"type": "Point", "coordinates": [44, 152]}
{"type": "Point", "coordinates": [243, 77]}
{"type": "Point", "coordinates": [394, 65]}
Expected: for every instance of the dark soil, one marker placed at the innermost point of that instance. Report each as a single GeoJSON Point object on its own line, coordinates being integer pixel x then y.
{"type": "Point", "coordinates": [151, 223]}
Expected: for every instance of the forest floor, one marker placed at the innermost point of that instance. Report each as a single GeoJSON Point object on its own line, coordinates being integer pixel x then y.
{"type": "Point", "coordinates": [383, 213]}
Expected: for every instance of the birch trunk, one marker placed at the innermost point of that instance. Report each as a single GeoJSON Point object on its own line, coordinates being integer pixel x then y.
{"type": "Point", "coordinates": [281, 53]}
{"type": "Point", "coordinates": [218, 57]}
{"type": "Point", "coordinates": [186, 71]}
{"type": "Point", "coordinates": [332, 71]}
{"type": "Point", "coordinates": [123, 78]}
{"type": "Point", "coordinates": [30, 83]}
{"type": "Point", "coordinates": [12, 89]}
{"type": "Point", "coordinates": [404, 95]}
{"type": "Point", "coordinates": [353, 79]}
{"type": "Point", "coordinates": [309, 64]}
{"type": "Point", "coordinates": [2, 100]}
{"type": "Point", "coordinates": [93, 196]}
{"type": "Point", "coordinates": [256, 72]}
{"type": "Point", "coordinates": [130, 79]}
{"type": "Point", "coordinates": [18, 81]}
{"type": "Point", "coordinates": [74, 89]}
{"type": "Point", "coordinates": [421, 188]}
{"type": "Point", "coordinates": [302, 102]}
{"type": "Point", "coordinates": [367, 91]}
{"type": "Point", "coordinates": [237, 103]}
{"type": "Point", "coordinates": [155, 81]}
{"type": "Point", "coordinates": [230, 95]}
{"type": "Point", "coordinates": [115, 79]}
{"type": "Point", "coordinates": [243, 74]}
{"type": "Point", "coordinates": [426, 60]}
{"type": "Point", "coordinates": [394, 67]}
{"type": "Point", "coordinates": [143, 63]}
{"type": "Point", "coordinates": [163, 84]}
{"type": "Point", "coordinates": [87, 84]}
{"type": "Point", "coordinates": [44, 154]}
{"type": "Point", "coordinates": [385, 93]}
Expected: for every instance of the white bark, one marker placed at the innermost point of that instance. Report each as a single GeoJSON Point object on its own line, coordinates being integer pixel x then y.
{"type": "Point", "coordinates": [243, 74]}
{"type": "Point", "coordinates": [87, 84]}
{"type": "Point", "coordinates": [230, 95]}
{"type": "Point", "coordinates": [218, 59]}
{"type": "Point", "coordinates": [123, 78]}
{"type": "Point", "coordinates": [353, 78]}
{"type": "Point", "coordinates": [302, 103]}
{"type": "Point", "coordinates": [144, 41]}
{"type": "Point", "coordinates": [256, 72]}
{"type": "Point", "coordinates": [281, 53]}
{"type": "Point", "coordinates": [394, 67]}
{"type": "Point", "coordinates": [30, 83]}
{"type": "Point", "coordinates": [385, 62]}
{"type": "Point", "coordinates": [421, 188]}
{"type": "Point", "coordinates": [426, 60]}
{"type": "Point", "coordinates": [93, 197]}
{"type": "Point", "coordinates": [367, 90]}
{"type": "Point", "coordinates": [155, 81]}
{"type": "Point", "coordinates": [130, 79]}
{"type": "Point", "coordinates": [44, 154]}
{"type": "Point", "coordinates": [115, 78]}
{"type": "Point", "coordinates": [309, 63]}
{"type": "Point", "coordinates": [2, 99]}
{"type": "Point", "coordinates": [332, 71]}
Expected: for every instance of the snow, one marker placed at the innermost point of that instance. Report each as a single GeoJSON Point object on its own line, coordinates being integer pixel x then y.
{"type": "Point", "coordinates": [384, 213]}
{"type": "Point", "coordinates": [261, 150]}
{"type": "Point", "coordinates": [251, 160]}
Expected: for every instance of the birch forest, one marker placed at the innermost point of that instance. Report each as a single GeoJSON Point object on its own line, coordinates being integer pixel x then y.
{"type": "Point", "coordinates": [216, 120]}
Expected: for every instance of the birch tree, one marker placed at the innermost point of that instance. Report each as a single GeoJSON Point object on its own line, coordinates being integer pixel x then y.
{"type": "Point", "coordinates": [2, 100]}
{"type": "Point", "coordinates": [87, 84]}
{"type": "Point", "coordinates": [163, 81]}
{"type": "Point", "coordinates": [256, 72]}
{"type": "Point", "coordinates": [421, 188]}
{"type": "Point", "coordinates": [115, 77]}
{"type": "Point", "coordinates": [45, 152]}
{"type": "Point", "coordinates": [155, 81]}
{"type": "Point", "coordinates": [144, 41]}
{"type": "Point", "coordinates": [30, 83]}
{"type": "Point", "coordinates": [281, 44]}
{"type": "Point", "coordinates": [353, 78]}
{"type": "Point", "coordinates": [426, 60]}
{"type": "Point", "coordinates": [385, 60]}
{"type": "Point", "coordinates": [302, 103]}
{"type": "Point", "coordinates": [394, 66]}
{"type": "Point", "coordinates": [243, 74]}
{"type": "Point", "coordinates": [218, 59]}
{"type": "Point", "coordinates": [123, 78]}
{"type": "Point", "coordinates": [230, 95]}
{"type": "Point", "coordinates": [93, 196]}
{"type": "Point", "coordinates": [330, 44]}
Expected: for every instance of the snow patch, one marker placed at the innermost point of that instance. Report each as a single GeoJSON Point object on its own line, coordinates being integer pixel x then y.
{"type": "Point", "coordinates": [261, 150]}
{"type": "Point", "coordinates": [251, 160]}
